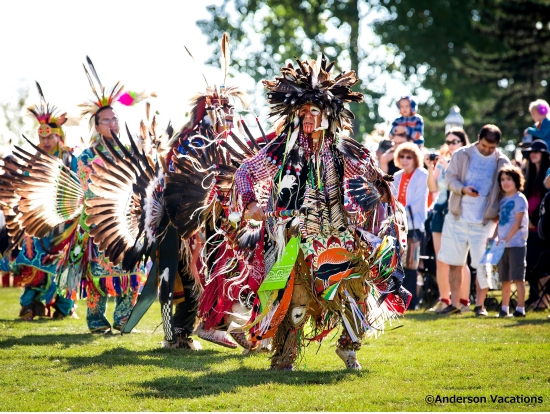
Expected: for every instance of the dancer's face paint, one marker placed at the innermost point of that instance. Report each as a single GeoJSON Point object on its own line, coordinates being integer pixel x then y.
{"type": "Point", "coordinates": [311, 118]}
{"type": "Point", "coordinates": [222, 112]}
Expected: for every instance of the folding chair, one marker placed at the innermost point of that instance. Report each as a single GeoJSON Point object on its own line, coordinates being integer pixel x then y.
{"type": "Point", "coordinates": [429, 292]}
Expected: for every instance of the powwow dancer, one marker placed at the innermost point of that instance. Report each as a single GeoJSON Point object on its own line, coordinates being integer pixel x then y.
{"type": "Point", "coordinates": [103, 278]}
{"type": "Point", "coordinates": [298, 254]}
{"type": "Point", "coordinates": [197, 194]}
{"type": "Point", "coordinates": [59, 194]}
{"type": "Point", "coordinates": [211, 115]}
{"type": "Point", "coordinates": [129, 191]}
{"type": "Point", "coordinates": [41, 258]}
{"type": "Point", "coordinates": [212, 124]}
{"type": "Point", "coordinates": [152, 183]}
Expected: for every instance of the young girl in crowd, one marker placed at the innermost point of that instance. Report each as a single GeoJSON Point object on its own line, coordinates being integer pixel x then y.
{"type": "Point", "coordinates": [512, 229]}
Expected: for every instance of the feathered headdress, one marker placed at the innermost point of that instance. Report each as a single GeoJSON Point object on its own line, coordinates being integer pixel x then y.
{"type": "Point", "coordinates": [102, 99]}
{"type": "Point", "coordinates": [213, 99]}
{"type": "Point", "coordinates": [311, 83]}
{"type": "Point", "coordinates": [48, 116]}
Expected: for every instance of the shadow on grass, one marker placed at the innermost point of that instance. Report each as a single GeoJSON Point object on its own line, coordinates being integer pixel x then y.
{"type": "Point", "coordinates": [38, 320]}
{"type": "Point", "coordinates": [426, 316]}
{"type": "Point", "coordinates": [47, 340]}
{"type": "Point", "coordinates": [213, 383]}
{"type": "Point", "coordinates": [523, 322]}
{"type": "Point", "coordinates": [514, 322]}
{"type": "Point", "coordinates": [180, 359]}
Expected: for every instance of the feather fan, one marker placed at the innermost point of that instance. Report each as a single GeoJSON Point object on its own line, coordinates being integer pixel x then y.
{"type": "Point", "coordinates": [362, 193]}
{"type": "Point", "coordinates": [126, 212]}
{"type": "Point", "coordinates": [203, 178]}
{"type": "Point", "coordinates": [50, 192]}
{"type": "Point", "coordinates": [12, 232]}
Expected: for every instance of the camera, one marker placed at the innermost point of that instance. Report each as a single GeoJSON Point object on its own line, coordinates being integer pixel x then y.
{"type": "Point", "coordinates": [433, 157]}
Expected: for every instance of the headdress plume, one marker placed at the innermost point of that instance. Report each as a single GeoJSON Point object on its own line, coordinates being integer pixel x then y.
{"type": "Point", "coordinates": [312, 83]}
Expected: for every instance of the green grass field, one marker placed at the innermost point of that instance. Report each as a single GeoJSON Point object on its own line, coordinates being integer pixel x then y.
{"type": "Point", "coordinates": [49, 365]}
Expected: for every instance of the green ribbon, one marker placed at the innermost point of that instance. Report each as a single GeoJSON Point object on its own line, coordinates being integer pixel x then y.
{"type": "Point", "coordinates": [277, 277]}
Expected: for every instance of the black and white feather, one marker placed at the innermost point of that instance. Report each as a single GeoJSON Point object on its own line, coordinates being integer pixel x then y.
{"type": "Point", "coordinates": [126, 212]}
{"type": "Point", "coordinates": [11, 232]}
{"type": "Point", "coordinates": [50, 192]}
{"type": "Point", "coordinates": [362, 193]}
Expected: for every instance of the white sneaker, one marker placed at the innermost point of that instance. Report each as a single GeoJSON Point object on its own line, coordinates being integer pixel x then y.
{"type": "Point", "coordinates": [349, 357]}
{"type": "Point", "coordinates": [439, 306]}
{"type": "Point", "coordinates": [465, 309]}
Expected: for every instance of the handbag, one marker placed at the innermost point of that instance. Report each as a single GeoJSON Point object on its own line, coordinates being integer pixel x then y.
{"type": "Point", "coordinates": [412, 258]}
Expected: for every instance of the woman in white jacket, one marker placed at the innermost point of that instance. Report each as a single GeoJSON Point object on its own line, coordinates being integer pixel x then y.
{"type": "Point", "coordinates": [411, 190]}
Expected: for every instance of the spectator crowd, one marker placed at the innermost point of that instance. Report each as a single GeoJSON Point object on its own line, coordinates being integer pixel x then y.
{"type": "Point", "coordinates": [483, 215]}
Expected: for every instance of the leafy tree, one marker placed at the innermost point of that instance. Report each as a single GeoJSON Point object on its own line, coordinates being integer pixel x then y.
{"type": "Point", "coordinates": [486, 56]}
{"type": "Point", "coordinates": [429, 36]}
{"type": "Point", "coordinates": [521, 69]}
{"type": "Point", "coordinates": [270, 32]}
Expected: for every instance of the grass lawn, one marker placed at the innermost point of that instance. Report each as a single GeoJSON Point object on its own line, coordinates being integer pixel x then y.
{"type": "Point", "coordinates": [49, 365]}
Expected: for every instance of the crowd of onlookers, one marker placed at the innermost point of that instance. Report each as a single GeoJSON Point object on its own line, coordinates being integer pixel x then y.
{"type": "Point", "coordinates": [480, 211]}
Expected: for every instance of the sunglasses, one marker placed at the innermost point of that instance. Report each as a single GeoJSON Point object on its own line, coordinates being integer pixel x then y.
{"type": "Point", "coordinates": [407, 157]}
{"type": "Point", "coordinates": [108, 121]}
{"type": "Point", "coordinates": [453, 142]}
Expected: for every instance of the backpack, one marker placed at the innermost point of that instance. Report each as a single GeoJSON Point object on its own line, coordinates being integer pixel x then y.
{"type": "Point", "coordinates": [543, 227]}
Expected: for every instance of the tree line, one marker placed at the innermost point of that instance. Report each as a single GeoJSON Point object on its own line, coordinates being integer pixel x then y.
{"type": "Point", "coordinates": [489, 57]}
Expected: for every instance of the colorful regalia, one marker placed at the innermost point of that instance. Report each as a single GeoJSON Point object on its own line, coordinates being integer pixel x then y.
{"type": "Point", "coordinates": [103, 277]}
{"type": "Point", "coordinates": [210, 131]}
{"type": "Point", "coordinates": [173, 241]}
{"type": "Point", "coordinates": [313, 264]}
{"type": "Point", "coordinates": [58, 194]}
{"type": "Point", "coordinates": [42, 258]}
{"type": "Point", "coordinates": [131, 227]}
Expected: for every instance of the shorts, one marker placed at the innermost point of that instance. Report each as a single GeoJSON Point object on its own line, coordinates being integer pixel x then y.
{"type": "Point", "coordinates": [512, 264]}
{"type": "Point", "coordinates": [458, 237]}
{"type": "Point", "coordinates": [438, 217]}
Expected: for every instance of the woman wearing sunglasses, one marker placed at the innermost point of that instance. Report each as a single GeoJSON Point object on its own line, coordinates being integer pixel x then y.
{"type": "Point", "coordinates": [411, 190]}
{"type": "Point", "coordinates": [454, 139]}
